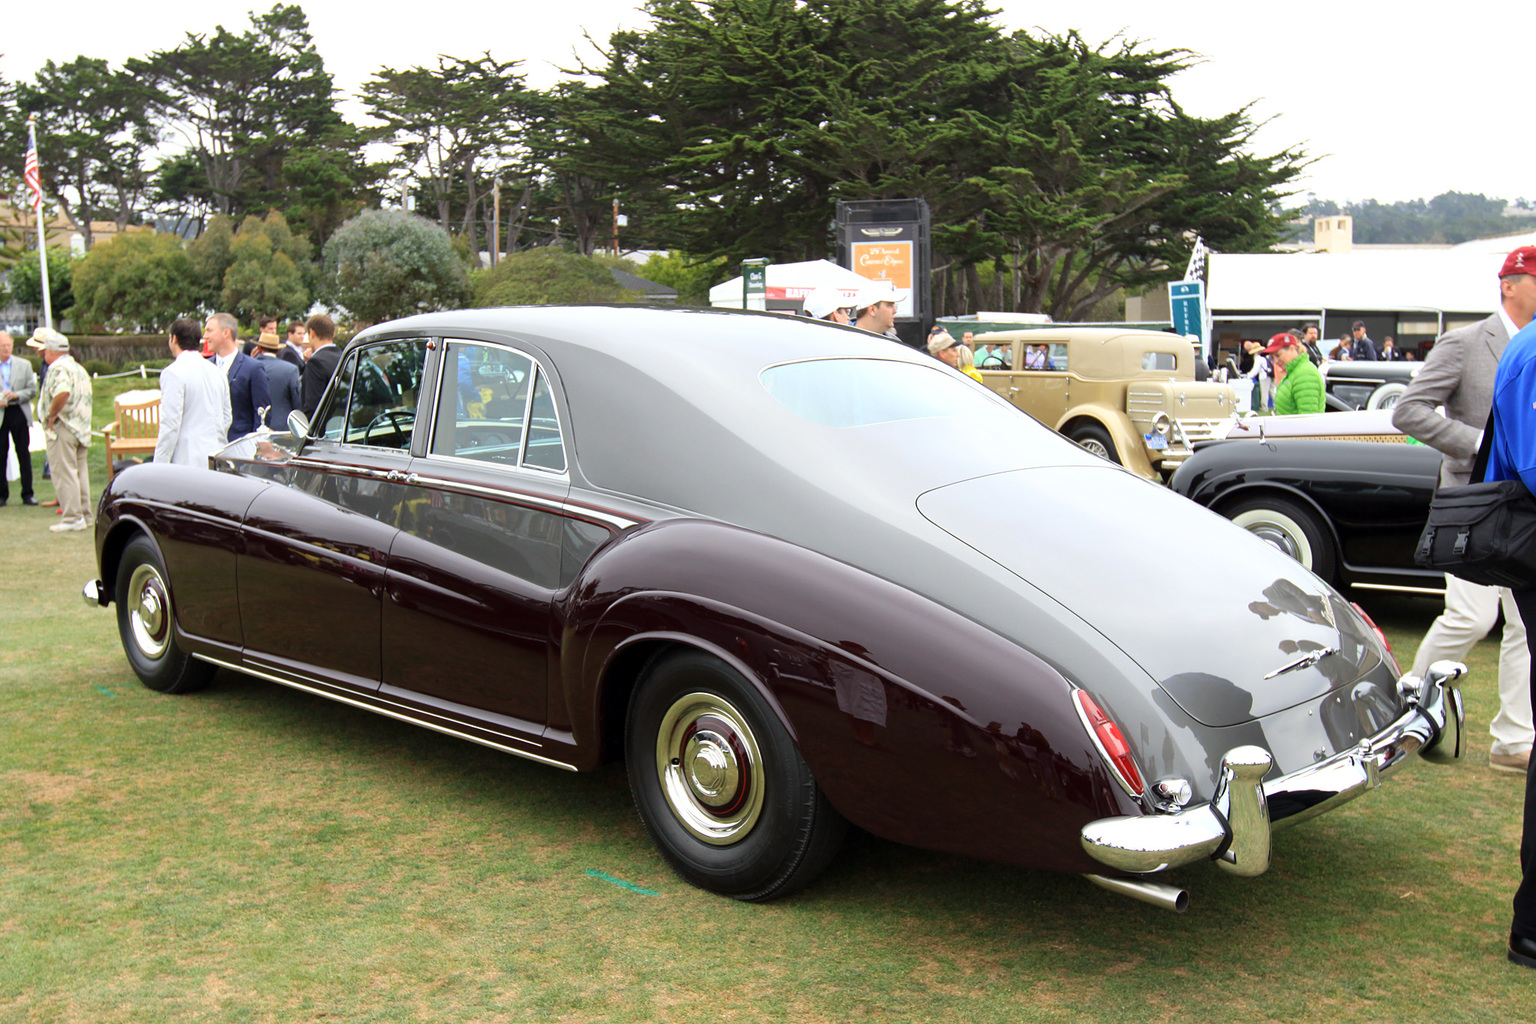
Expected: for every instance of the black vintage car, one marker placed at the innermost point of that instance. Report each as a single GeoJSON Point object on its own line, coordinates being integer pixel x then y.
{"type": "Point", "coordinates": [1344, 494]}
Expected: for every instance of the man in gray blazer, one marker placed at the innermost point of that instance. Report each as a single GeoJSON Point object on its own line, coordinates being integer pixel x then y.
{"type": "Point", "coordinates": [18, 387]}
{"type": "Point", "coordinates": [1459, 375]}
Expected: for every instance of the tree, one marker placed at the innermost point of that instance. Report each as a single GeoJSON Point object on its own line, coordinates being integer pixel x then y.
{"type": "Point", "coordinates": [454, 125]}
{"type": "Point", "coordinates": [138, 281]}
{"type": "Point", "coordinates": [27, 284]}
{"type": "Point", "coordinates": [731, 127]}
{"type": "Point", "coordinates": [248, 104]}
{"type": "Point", "coordinates": [690, 278]}
{"type": "Point", "coordinates": [547, 276]}
{"type": "Point", "coordinates": [92, 134]}
{"type": "Point", "coordinates": [384, 264]}
{"type": "Point", "coordinates": [211, 257]}
{"type": "Point", "coordinates": [262, 279]}
{"type": "Point", "coordinates": [261, 266]}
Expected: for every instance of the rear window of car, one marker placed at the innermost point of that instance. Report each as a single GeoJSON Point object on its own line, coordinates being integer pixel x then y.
{"type": "Point", "coordinates": [858, 392]}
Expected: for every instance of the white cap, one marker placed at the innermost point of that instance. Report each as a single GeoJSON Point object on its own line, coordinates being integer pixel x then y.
{"type": "Point", "coordinates": [821, 302]}
{"type": "Point", "coordinates": [877, 291]}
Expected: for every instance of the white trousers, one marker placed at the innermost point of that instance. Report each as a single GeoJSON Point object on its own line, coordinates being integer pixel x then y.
{"type": "Point", "coordinates": [1470, 611]}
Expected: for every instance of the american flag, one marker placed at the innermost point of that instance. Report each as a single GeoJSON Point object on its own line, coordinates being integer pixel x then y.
{"type": "Point", "coordinates": [33, 173]}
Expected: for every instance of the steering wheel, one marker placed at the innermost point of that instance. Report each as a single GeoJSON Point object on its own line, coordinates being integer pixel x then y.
{"type": "Point", "coordinates": [393, 418]}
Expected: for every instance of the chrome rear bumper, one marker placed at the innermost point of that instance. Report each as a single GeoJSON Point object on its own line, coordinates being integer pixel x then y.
{"type": "Point", "coordinates": [1233, 829]}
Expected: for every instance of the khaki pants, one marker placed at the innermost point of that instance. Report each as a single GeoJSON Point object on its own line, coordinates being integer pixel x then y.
{"type": "Point", "coordinates": [71, 479]}
{"type": "Point", "coordinates": [1470, 611]}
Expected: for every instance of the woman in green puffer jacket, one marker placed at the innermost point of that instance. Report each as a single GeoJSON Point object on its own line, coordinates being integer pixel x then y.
{"type": "Point", "coordinates": [1302, 389]}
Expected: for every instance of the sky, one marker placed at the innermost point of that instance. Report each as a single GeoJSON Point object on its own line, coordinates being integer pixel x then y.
{"type": "Point", "coordinates": [1389, 104]}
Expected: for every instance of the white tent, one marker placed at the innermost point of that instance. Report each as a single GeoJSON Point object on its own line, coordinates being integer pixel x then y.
{"type": "Point", "coordinates": [796, 281]}
{"type": "Point", "coordinates": [1460, 280]}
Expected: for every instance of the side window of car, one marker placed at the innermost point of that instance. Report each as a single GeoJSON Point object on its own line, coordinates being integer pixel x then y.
{"type": "Point", "coordinates": [482, 404]}
{"type": "Point", "coordinates": [495, 406]}
{"type": "Point", "coordinates": [545, 449]}
{"type": "Point", "coordinates": [373, 401]}
{"type": "Point", "coordinates": [385, 389]}
{"type": "Point", "coordinates": [331, 418]}
{"type": "Point", "coordinates": [1166, 361]}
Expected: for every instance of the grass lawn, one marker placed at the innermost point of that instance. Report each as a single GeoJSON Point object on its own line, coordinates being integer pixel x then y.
{"type": "Point", "coordinates": [251, 853]}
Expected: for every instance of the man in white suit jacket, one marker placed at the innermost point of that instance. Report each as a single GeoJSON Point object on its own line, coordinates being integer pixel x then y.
{"type": "Point", "coordinates": [194, 401]}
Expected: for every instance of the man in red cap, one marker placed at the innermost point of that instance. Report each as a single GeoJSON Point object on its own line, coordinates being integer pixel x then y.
{"type": "Point", "coordinates": [1302, 388]}
{"type": "Point", "coordinates": [1459, 375]}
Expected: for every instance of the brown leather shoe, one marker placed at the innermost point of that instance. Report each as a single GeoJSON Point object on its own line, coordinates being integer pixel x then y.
{"type": "Point", "coordinates": [1515, 764]}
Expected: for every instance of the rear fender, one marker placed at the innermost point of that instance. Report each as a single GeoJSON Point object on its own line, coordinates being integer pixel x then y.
{"type": "Point", "coordinates": [920, 725]}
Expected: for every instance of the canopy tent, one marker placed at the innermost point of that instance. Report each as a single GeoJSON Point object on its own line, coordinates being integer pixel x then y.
{"type": "Point", "coordinates": [1458, 280]}
{"type": "Point", "coordinates": [794, 281]}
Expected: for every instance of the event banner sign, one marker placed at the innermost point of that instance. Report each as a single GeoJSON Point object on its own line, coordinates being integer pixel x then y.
{"type": "Point", "coordinates": [891, 261]}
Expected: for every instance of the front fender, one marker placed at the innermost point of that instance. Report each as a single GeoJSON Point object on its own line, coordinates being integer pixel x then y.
{"type": "Point", "coordinates": [921, 726]}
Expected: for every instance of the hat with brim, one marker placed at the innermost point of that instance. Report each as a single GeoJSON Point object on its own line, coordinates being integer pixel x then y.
{"type": "Point", "coordinates": [821, 303]}
{"type": "Point", "coordinates": [877, 291]}
{"type": "Point", "coordinates": [1279, 342]}
{"type": "Point", "coordinates": [46, 339]}
{"type": "Point", "coordinates": [270, 342]}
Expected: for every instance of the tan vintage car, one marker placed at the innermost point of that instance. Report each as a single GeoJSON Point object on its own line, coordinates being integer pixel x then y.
{"type": "Point", "coordinates": [1127, 395]}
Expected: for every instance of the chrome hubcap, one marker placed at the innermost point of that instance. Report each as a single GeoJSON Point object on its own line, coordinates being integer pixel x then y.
{"type": "Point", "coordinates": [149, 620]}
{"type": "Point", "coordinates": [710, 768]}
{"type": "Point", "coordinates": [1094, 447]}
{"type": "Point", "coordinates": [1277, 535]}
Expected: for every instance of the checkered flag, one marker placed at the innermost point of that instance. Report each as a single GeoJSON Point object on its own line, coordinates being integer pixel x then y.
{"type": "Point", "coordinates": [1196, 271]}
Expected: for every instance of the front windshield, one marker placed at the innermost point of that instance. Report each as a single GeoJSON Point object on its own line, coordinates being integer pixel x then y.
{"type": "Point", "coordinates": [859, 392]}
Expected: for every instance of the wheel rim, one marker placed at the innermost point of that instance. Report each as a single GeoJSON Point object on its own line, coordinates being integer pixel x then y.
{"type": "Point", "coordinates": [710, 768]}
{"type": "Point", "coordinates": [1279, 530]}
{"type": "Point", "coordinates": [149, 619]}
{"type": "Point", "coordinates": [1094, 446]}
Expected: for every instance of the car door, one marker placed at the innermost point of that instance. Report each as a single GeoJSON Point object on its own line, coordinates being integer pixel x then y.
{"type": "Point", "coordinates": [311, 577]}
{"type": "Point", "coordinates": [476, 563]}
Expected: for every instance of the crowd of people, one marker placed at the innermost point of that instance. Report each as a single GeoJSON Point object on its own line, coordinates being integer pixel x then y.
{"type": "Point", "coordinates": [213, 391]}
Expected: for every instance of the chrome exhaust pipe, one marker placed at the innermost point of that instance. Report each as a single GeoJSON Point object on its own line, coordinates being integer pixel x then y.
{"type": "Point", "coordinates": [1155, 893]}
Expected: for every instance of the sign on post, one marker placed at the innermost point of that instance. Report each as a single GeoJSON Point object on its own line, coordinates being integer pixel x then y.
{"type": "Point", "coordinates": [1186, 303]}
{"type": "Point", "coordinates": [754, 284]}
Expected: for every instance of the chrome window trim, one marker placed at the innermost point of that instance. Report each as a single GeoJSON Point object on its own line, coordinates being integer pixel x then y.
{"type": "Point", "coordinates": [342, 442]}
{"type": "Point", "coordinates": [538, 370]}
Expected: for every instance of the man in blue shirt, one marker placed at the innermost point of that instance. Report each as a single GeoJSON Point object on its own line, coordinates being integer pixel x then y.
{"type": "Point", "coordinates": [1512, 455]}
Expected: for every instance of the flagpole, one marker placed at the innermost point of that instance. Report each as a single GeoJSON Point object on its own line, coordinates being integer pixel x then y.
{"type": "Point", "coordinates": [34, 179]}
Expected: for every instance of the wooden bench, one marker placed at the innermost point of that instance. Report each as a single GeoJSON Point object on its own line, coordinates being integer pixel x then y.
{"type": "Point", "coordinates": [134, 429]}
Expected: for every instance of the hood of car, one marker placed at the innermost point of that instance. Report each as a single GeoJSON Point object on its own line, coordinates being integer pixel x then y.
{"type": "Point", "coordinates": [1228, 626]}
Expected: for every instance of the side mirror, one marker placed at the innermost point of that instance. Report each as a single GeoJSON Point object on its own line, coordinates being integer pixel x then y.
{"type": "Point", "coordinates": [298, 424]}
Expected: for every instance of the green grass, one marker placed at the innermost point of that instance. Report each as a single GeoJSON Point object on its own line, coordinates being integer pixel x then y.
{"type": "Point", "coordinates": [251, 853]}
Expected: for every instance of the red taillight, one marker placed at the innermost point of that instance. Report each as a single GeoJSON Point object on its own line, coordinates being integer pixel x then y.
{"type": "Point", "coordinates": [1111, 743]}
{"type": "Point", "coordinates": [1379, 634]}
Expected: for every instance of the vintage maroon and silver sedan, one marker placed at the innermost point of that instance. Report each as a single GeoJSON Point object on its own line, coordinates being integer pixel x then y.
{"type": "Point", "coordinates": [795, 575]}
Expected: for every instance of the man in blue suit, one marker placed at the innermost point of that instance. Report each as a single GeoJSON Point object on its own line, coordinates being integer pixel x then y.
{"type": "Point", "coordinates": [249, 395]}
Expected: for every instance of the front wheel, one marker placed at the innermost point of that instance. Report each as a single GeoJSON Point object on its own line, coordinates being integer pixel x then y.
{"type": "Point", "coordinates": [719, 785]}
{"type": "Point", "coordinates": [1093, 438]}
{"type": "Point", "coordinates": [1289, 526]}
{"type": "Point", "coordinates": [145, 623]}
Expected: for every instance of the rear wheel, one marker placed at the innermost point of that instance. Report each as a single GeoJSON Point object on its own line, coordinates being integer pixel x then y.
{"type": "Point", "coordinates": [1289, 526]}
{"type": "Point", "coordinates": [719, 785]}
{"type": "Point", "coordinates": [1094, 438]}
{"type": "Point", "coordinates": [144, 622]}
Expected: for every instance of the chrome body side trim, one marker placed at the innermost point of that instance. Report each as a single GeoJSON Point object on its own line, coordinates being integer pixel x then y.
{"type": "Point", "coordinates": [1234, 827]}
{"type": "Point", "coordinates": [401, 716]}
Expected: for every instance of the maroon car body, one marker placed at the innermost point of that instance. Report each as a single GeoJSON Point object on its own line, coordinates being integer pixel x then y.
{"type": "Point", "coordinates": [749, 556]}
